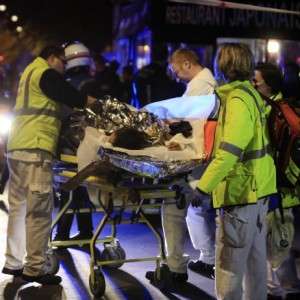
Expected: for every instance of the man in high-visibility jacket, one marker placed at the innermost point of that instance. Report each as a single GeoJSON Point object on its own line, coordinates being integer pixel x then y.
{"type": "Point", "coordinates": [240, 177]}
{"type": "Point", "coordinates": [268, 80]}
{"type": "Point", "coordinates": [30, 150]}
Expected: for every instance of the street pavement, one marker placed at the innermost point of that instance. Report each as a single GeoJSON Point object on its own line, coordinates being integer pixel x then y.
{"type": "Point", "coordinates": [128, 282]}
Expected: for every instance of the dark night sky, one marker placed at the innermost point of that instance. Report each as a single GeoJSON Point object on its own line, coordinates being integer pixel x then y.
{"type": "Point", "coordinates": [67, 20]}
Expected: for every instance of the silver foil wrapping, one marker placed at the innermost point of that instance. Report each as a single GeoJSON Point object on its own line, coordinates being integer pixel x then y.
{"type": "Point", "coordinates": [147, 166]}
{"type": "Point", "coordinates": [110, 114]}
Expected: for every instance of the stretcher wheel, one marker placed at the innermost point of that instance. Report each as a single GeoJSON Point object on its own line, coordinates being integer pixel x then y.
{"type": "Point", "coordinates": [98, 286]}
{"type": "Point", "coordinates": [52, 263]}
{"type": "Point", "coordinates": [113, 252]}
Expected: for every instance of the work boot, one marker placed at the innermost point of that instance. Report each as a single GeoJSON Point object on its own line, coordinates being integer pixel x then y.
{"type": "Point", "coordinates": [46, 279]}
{"type": "Point", "coordinates": [172, 278]}
{"type": "Point", "coordinates": [202, 268]}
{"type": "Point", "coordinates": [16, 273]}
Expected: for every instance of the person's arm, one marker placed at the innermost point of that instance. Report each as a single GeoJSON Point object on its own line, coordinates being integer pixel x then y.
{"type": "Point", "coordinates": [56, 88]}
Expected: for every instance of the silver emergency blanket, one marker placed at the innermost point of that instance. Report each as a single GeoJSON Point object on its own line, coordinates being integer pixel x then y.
{"type": "Point", "coordinates": [147, 166]}
{"type": "Point", "coordinates": [157, 161]}
{"type": "Point", "coordinates": [110, 114]}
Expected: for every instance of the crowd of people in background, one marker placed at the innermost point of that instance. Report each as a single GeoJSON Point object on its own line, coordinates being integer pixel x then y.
{"type": "Point", "coordinates": [153, 82]}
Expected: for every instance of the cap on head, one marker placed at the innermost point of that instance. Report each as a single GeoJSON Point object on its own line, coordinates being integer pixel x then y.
{"type": "Point", "coordinates": [77, 54]}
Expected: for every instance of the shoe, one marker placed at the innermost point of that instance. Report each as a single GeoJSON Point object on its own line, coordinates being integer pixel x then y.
{"type": "Point", "coordinates": [46, 279]}
{"type": "Point", "coordinates": [202, 268]}
{"type": "Point", "coordinates": [174, 276]}
{"type": "Point", "coordinates": [179, 277]}
{"type": "Point", "coordinates": [16, 273]}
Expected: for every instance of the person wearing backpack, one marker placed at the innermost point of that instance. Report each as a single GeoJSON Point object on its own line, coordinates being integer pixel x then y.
{"type": "Point", "coordinates": [240, 177]}
{"type": "Point", "coordinates": [268, 81]}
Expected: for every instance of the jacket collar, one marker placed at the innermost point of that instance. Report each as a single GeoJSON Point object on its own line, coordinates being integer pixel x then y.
{"type": "Point", "coordinates": [40, 62]}
{"type": "Point", "coordinates": [277, 97]}
{"type": "Point", "coordinates": [224, 90]}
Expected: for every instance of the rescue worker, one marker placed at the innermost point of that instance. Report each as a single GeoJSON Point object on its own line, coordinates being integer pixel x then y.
{"type": "Point", "coordinates": [30, 150]}
{"type": "Point", "coordinates": [200, 81]}
{"type": "Point", "coordinates": [268, 81]}
{"type": "Point", "coordinates": [107, 82]}
{"type": "Point", "coordinates": [78, 64]}
{"type": "Point", "coordinates": [152, 82]}
{"type": "Point", "coordinates": [240, 178]}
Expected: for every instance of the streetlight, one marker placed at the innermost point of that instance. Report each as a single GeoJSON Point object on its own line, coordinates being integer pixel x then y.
{"type": "Point", "coordinates": [14, 18]}
{"type": "Point", "coordinates": [2, 7]}
{"type": "Point", "coordinates": [273, 46]}
{"type": "Point", "coordinates": [19, 29]}
{"type": "Point", "coordinates": [273, 51]}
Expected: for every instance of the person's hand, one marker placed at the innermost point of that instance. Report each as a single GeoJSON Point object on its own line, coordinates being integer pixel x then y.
{"type": "Point", "coordinates": [199, 197]}
{"type": "Point", "coordinates": [173, 146]}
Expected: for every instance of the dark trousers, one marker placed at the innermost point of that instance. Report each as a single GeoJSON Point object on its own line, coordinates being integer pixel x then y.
{"type": "Point", "coordinates": [84, 220]}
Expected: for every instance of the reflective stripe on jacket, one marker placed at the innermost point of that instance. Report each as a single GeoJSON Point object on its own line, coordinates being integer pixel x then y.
{"type": "Point", "coordinates": [290, 196]}
{"type": "Point", "coordinates": [242, 170]}
{"type": "Point", "coordinates": [36, 124]}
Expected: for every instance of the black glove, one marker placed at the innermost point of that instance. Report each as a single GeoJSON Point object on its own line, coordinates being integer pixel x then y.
{"type": "Point", "coordinates": [199, 197]}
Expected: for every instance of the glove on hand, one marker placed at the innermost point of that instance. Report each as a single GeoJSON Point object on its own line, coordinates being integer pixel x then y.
{"type": "Point", "coordinates": [199, 198]}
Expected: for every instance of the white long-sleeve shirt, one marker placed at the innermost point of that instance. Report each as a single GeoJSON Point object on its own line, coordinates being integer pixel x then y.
{"type": "Point", "coordinates": [202, 84]}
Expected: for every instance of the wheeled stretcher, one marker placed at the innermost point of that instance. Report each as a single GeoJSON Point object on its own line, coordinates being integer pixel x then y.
{"type": "Point", "coordinates": [138, 185]}
{"type": "Point", "coordinates": [120, 179]}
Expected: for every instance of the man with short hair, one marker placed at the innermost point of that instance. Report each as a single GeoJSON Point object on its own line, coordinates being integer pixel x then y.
{"type": "Point", "coordinates": [30, 150]}
{"type": "Point", "coordinates": [283, 282]}
{"type": "Point", "coordinates": [186, 66]}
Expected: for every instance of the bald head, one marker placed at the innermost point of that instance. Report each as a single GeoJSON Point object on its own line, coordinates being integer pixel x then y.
{"type": "Point", "coordinates": [185, 64]}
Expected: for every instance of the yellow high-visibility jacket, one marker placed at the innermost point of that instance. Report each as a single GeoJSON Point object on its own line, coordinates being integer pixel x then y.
{"type": "Point", "coordinates": [36, 124]}
{"type": "Point", "coordinates": [242, 169]}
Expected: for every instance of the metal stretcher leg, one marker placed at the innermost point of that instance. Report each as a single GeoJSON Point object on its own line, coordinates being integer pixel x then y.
{"type": "Point", "coordinates": [96, 279]}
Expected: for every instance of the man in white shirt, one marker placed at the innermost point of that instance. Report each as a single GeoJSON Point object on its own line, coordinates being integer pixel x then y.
{"type": "Point", "coordinates": [200, 221]}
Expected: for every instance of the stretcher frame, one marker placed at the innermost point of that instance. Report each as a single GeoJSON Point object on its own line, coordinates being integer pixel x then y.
{"type": "Point", "coordinates": [156, 191]}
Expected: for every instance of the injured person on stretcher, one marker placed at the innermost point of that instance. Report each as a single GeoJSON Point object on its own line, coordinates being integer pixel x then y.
{"type": "Point", "coordinates": [170, 130]}
{"type": "Point", "coordinates": [133, 139]}
{"type": "Point", "coordinates": [157, 142]}
{"type": "Point", "coordinates": [163, 139]}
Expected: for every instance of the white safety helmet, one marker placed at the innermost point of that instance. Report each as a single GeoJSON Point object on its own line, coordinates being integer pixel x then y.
{"type": "Point", "coordinates": [76, 55]}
